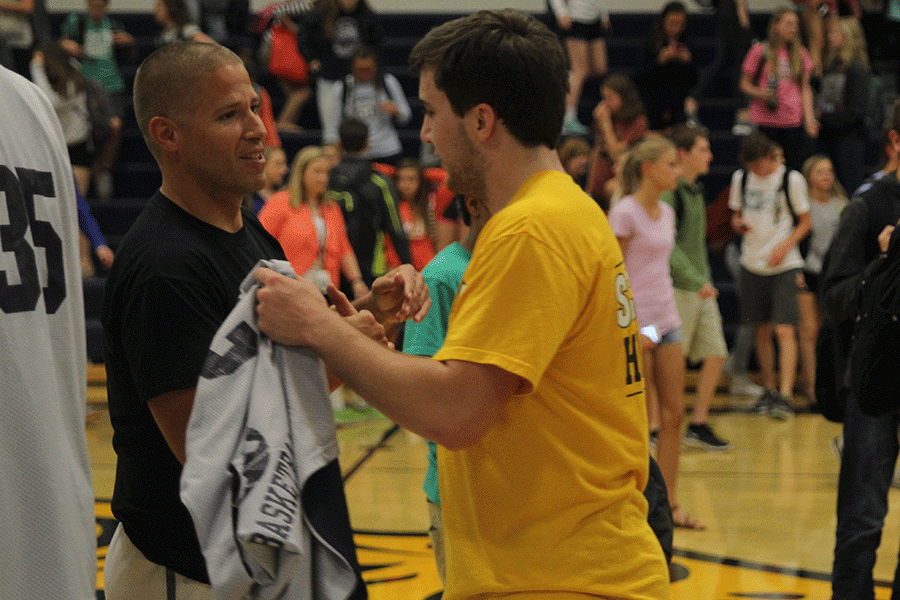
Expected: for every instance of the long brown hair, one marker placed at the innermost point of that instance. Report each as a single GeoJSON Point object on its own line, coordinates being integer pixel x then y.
{"type": "Point", "coordinates": [632, 107]}
{"type": "Point", "coordinates": [794, 47]}
{"type": "Point", "coordinates": [63, 74]}
{"type": "Point", "coordinates": [420, 204]}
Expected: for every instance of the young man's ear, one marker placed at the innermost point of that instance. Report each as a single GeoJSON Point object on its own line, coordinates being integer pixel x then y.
{"type": "Point", "coordinates": [483, 121]}
{"type": "Point", "coordinates": [164, 133]}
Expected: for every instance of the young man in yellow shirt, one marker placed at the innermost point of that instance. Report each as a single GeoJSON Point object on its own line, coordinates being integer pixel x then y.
{"type": "Point", "coordinates": [536, 397]}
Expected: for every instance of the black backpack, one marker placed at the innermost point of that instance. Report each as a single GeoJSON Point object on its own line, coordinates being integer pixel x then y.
{"type": "Point", "coordinates": [875, 349]}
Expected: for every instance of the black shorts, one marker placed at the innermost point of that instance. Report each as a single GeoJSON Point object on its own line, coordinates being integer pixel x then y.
{"type": "Point", "coordinates": [586, 31]}
{"type": "Point", "coordinates": [79, 155]}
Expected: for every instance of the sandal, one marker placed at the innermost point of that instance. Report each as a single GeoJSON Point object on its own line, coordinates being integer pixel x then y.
{"type": "Point", "coordinates": [681, 519]}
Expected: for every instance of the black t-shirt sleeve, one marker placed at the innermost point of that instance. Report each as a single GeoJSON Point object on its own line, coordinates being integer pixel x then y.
{"type": "Point", "coordinates": [166, 335]}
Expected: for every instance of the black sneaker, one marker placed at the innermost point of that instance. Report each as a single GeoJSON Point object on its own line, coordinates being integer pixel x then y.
{"type": "Point", "coordinates": [780, 407]}
{"type": "Point", "coordinates": [702, 436]}
{"type": "Point", "coordinates": [763, 404]}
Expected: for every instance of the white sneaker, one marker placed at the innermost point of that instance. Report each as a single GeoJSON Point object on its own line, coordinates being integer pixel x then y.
{"type": "Point", "coordinates": [742, 386]}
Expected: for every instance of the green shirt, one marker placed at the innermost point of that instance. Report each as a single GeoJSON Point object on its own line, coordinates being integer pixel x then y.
{"type": "Point", "coordinates": [442, 275]}
{"type": "Point", "coordinates": [689, 263]}
{"type": "Point", "coordinates": [99, 60]}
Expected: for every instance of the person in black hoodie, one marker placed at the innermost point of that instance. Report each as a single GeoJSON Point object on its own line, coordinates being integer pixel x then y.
{"type": "Point", "coordinates": [870, 443]}
{"type": "Point", "coordinates": [369, 202]}
{"type": "Point", "coordinates": [328, 37]}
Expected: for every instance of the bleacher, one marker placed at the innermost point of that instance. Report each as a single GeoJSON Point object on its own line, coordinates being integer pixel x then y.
{"type": "Point", "coordinates": [136, 176]}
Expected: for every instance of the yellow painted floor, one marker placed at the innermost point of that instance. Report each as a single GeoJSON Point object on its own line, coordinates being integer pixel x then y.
{"type": "Point", "coordinates": [769, 506]}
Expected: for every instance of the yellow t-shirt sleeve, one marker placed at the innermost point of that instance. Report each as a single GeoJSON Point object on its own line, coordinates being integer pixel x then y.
{"type": "Point", "coordinates": [516, 306]}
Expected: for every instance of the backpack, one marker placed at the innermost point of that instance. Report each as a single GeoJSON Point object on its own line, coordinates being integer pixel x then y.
{"type": "Point", "coordinates": [803, 246]}
{"type": "Point", "coordinates": [876, 335]}
{"type": "Point", "coordinates": [99, 113]}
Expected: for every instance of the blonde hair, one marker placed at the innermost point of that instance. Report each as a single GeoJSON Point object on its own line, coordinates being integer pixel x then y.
{"type": "Point", "coordinates": [853, 50]}
{"type": "Point", "coordinates": [794, 47]}
{"type": "Point", "coordinates": [296, 189]}
{"type": "Point", "coordinates": [837, 190]}
{"type": "Point", "coordinates": [572, 147]}
{"type": "Point", "coordinates": [649, 150]}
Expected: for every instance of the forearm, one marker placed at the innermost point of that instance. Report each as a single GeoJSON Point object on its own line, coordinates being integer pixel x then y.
{"type": "Point", "coordinates": [420, 394]}
{"type": "Point", "coordinates": [809, 114]}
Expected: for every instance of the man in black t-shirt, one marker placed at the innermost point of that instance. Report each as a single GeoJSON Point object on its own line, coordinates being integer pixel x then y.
{"type": "Point", "coordinates": [175, 279]}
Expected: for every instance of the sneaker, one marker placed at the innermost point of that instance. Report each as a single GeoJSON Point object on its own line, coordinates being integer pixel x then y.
{"type": "Point", "coordinates": [701, 435]}
{"type": "Point", "coordinates": [763, 404]}
{"type": "Point", "coordinates": [742, 386]}
{"type": "Point", "coordinates": [780, 408]}
{"type": "Point", "coordinates": [574, 127]}
{"type": "Point", "coordinates": [104, 186]}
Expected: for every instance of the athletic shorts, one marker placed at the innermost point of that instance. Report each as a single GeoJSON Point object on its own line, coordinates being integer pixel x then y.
{"type": "Point", "coordinates": [769, 298]}
{"type": "Point", "coordinates": [586, 31]}
{"type": "Point", "coordinates": [701, 326]}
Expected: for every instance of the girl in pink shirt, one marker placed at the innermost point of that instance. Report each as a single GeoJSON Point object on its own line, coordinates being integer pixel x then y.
{"type": "Point", "coordinates": [645, 228]}
{"type": "Point", "coordinates": [775, 76]}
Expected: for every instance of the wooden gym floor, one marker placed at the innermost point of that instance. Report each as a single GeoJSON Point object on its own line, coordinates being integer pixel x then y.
{"type": "Point", "coordinates": [769, 507]}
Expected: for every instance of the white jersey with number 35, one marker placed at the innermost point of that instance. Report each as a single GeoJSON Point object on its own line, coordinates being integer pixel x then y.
{"type": "Point", "coordinates": [48, 546]}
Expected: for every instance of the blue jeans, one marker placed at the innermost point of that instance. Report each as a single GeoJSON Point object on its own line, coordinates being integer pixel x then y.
{"type": "Point", "coordinates": [867, 467]}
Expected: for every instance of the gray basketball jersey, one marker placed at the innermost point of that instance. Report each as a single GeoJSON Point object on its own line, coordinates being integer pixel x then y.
{"type": "Point", "coordinates": [48, 546]}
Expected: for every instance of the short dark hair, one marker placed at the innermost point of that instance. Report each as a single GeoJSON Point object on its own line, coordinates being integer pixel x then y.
{"type": "Point", "coordinates": [685, 135]}
{"type": "Point", "coordinates": [754, 147]}
{"type": "Point", "coordinates": [164, 82]}
{"type": "Point", "coordinates": [506, 59]}
{"type": "Point", "coordinates": [353, 134]}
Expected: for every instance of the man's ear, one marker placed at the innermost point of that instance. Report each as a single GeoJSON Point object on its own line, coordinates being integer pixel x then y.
{"type": "Point", "coordinates": [165, 133]}
{"type": "Point", "coordinates": [483, 121]}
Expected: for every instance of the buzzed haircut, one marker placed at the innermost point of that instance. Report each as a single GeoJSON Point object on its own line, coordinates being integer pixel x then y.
{"type": "Point", "coordinates": [685, 135]}
{"type": "Point", "coordinates": [165, 83]}
{"type": "Point", "coordinates": [353, 134]}
{"type": "Point", "coordinates": [754, 147]}
{"type": "Point", "coordinates": [506, 59]}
